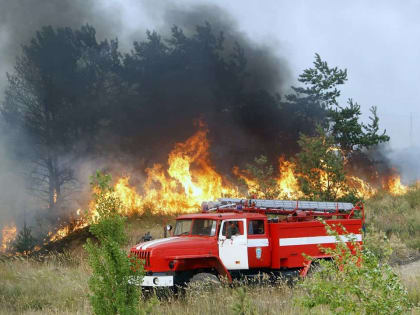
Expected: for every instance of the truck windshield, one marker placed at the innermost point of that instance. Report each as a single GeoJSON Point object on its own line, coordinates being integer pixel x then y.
{"type": "Point", "coordinates": [182, 227]}
{"type": "Point", "coordinates": [202, 227]}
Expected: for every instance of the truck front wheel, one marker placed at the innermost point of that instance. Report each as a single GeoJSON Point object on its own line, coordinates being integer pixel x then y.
{"type": "Point", "coordinates": [204, 280]}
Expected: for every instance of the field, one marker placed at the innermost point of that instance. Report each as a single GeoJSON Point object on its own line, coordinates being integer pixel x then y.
{"type": "Point", "coordinates": [58, 283]}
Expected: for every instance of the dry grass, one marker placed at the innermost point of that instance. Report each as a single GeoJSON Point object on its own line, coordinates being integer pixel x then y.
{"type": "Point", "coordinates": [57, 287]}
{"type": "Point", "coordinates": [396, 215]}
{"type": "Point", "coordinates": [54, 287]}
{"type": "Point", "coordinates": [262, 300]}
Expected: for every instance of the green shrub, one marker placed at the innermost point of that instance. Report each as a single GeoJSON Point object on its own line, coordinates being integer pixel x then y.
{"type": "Point", "coordinates": [354, 282]}
{"type": "Point", "coordinates": [24, 242]}
{"type": "Point", "coordinates": [242, 304]}
{"type": "Point", "coordinates": [113, 272]}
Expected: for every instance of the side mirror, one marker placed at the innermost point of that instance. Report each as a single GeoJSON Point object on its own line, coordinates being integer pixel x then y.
{"type": "Point", "coordinates": [168, 227]}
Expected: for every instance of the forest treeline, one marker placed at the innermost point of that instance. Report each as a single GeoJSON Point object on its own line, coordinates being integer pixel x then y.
{"type": "Point", "coordinates": [71, 97]}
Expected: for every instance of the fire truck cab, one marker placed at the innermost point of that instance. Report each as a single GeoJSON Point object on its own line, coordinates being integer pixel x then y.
{"type": "Point", "coordinates": [233, 238]}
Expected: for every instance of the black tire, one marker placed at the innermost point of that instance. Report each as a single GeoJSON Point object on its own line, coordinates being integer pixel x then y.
{"type": "Point", "coordinates": [315, 268]}
{"type": "Point", "coordinates": [204, 280]}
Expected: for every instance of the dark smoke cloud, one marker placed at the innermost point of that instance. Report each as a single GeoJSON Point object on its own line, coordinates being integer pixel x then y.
{"type": "Point", "coordinates": [267, 71]}
{"type": "Point", "coordinates": [20, 19]}
{"type": "Point", "coordinates": [191, 99]}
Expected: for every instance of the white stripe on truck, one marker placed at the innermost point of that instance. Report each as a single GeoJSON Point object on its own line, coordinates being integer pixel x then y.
{"type": "Point", "coordinates": [311, 240]}
{"type": "Point", "coordinates": [150, 243]}
{"type": "Point", "coordinates": [257, 242]}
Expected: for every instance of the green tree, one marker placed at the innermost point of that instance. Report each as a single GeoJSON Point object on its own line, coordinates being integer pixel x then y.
{"type": "Point", "coordinates": [263, 174]}
{"type": "Point", "coordinates": [342, 122]}
{"type": "Point", "coordinates": [115, 276]}
{"type": "Point", "coordinates": [320, 168]}
{"type": "Point", "coordinates": [24, 242]}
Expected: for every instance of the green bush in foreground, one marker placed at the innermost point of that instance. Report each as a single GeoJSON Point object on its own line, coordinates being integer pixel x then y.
{"type": "Point", "coordinates": [242, 304]}
{"type": "Point", "coordinates": [112, 269]}
{"type": "Point", "coordinates": [354, 282]}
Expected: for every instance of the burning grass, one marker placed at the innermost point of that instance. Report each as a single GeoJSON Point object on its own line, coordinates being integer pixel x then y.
{"type": "Point", "coordinates": [8, 235]}
{"type": "Point", "coordinates": [189, 179]}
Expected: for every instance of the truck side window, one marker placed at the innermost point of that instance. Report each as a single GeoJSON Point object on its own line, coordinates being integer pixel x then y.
{"type": "Point", "coordinates": [256, 227]}
{"type": "Point", "coordinates": [231, 228]}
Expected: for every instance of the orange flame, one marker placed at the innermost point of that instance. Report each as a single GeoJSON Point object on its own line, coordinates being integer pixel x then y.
{"type": "Point", "coordinates": [287, 182]}
{"type": "Point", "coordinates": [362, 188]}
{"type": "Point", "coordinates": [191, 179]}
{"type": "Point", "coordinates": [395, 187]}
{"type": "Point", "coordinates": [252, 185]}
{"type": "Point", "coordinates": [8, 235]}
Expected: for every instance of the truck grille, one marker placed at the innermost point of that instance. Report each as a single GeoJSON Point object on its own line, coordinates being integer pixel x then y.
{"type": "Point", "coordinates": [143, 255]}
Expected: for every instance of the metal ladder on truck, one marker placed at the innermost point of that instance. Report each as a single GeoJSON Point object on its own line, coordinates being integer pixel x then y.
{"type": "Point", "coordinates": [284, 207]}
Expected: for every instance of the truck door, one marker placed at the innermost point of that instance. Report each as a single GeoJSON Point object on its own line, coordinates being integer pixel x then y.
{"type": "Point", "coordinates": [233, 244]}
{"type": "Point", "coordinates": [259, 251]}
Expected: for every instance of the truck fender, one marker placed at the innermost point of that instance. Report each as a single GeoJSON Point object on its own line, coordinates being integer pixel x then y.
{"type": "Point", "coordinates": [213, 261]}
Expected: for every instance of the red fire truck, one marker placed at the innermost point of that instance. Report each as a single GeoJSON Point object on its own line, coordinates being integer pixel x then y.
{"type": "Point", "coordinates": [233, 238]}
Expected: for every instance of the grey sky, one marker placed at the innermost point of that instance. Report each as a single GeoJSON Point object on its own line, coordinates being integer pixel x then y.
{"type": "Point", "coordinates": [377, 41]}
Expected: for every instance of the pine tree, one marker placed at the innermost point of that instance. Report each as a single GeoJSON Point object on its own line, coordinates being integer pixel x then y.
{"type": "Point", "coordinates": [24, 242]}
{"type": "Point", "coordinates": [342, 122]}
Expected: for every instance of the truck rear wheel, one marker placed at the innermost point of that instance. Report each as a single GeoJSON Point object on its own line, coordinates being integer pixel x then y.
{"type": "Point", "coordinates": [204, 280]}
{"type": "Point", "coordinates": [315, 268]}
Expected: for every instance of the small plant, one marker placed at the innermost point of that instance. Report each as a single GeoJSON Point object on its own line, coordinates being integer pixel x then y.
{"type": "Point", "coordinates": [354, 282]}
{"type": "Point", "coordinates": [111, 283]}
{"type": "Point", "coordinates": [243, 305]}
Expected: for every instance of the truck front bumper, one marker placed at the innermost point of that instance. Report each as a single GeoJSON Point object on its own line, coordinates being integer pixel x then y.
{"type": "Point", "coordinates": [158, 281]}
{"type": "Point", "coordinates": [155, 280]}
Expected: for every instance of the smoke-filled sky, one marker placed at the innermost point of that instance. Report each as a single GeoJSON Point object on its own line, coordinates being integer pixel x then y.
{"type": "Point", "coordinates": [376, 40]}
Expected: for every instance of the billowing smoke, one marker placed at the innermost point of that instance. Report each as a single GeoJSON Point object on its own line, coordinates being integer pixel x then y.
{"type": "Point", "coordinates": [19, 20]}
{"type": "Point", "coordinates": [159, 106]}
{"type": "Point", "coordinates": [266, 70]}
{"type": "Point", "coordinates": [407, 163]}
